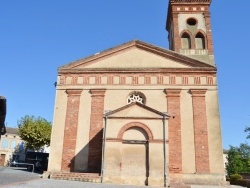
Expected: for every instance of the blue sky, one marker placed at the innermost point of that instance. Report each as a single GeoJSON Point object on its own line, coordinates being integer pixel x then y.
{"type": "Point", "coordinates": [36, 37]}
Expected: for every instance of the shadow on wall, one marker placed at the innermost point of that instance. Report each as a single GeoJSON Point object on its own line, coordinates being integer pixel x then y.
{"type": "Point", "coordinates": [93, 152]}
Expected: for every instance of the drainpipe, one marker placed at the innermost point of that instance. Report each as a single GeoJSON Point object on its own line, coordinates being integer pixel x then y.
{"type": "Point", "coordinates": [103, 147]}
{"type": "Point", "coordinates": [164, 150]}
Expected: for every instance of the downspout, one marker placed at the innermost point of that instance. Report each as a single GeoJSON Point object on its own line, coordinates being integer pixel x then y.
{"type": "Point", "coordinates": [103, 147]}
{"type": "Point", "coordinates": [164, 150]}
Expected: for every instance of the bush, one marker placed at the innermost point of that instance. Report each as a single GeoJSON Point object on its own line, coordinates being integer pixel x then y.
{"type": "Point", "coordinates": [235, 177]}
{"type": "Point", "coordinates": [241, 182]}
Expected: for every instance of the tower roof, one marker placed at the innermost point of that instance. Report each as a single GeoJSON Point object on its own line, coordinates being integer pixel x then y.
{"type": "Point", "coordinates": [190, 1]}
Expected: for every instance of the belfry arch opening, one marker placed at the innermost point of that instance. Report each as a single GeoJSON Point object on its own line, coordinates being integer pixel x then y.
{"type": "Point", "coordinates": [185, 41]}
{"type": "Point", "coordinates": [200, 41]}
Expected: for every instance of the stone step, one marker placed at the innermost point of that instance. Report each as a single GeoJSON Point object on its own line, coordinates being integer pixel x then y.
{"type": "Point", "coordinates": [180, 185]}
{"type": "Point", "coordinates": [73, 176]}
{"type": "Point", "coordinates": [177, 184]}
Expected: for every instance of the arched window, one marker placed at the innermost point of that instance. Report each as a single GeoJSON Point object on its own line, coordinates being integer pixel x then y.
{"type": "Point", "coordinates": [200, 41]}
{"type": "Point", "coordinates": [185, 41]}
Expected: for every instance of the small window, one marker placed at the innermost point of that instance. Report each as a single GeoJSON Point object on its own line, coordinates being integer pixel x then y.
{"type": "Point", "coordinates": [191, 21]}
{"type": "Point", "coordinates": [4, 144]}
{"type": "Point", "coordinates": [136, 97]}
{"type": "Point", "coordinates": [13, 144]}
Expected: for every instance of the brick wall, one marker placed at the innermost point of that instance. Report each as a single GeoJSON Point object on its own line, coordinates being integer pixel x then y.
{"type": "Point", "coordinates": [200, 131]}
{"type": "Point", "coordinates": [96, 130]}
{"type": "Point", "coordinates": [174, 130]}
{"type": "Point", "coordinates": [70, 130]}
{"type": "Point", "coordinates": [209, 34]}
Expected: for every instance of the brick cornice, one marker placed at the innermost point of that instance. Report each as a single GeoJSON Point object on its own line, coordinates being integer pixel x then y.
{"type": "Point", "coordinates": [139, 70]}
{"type": "Point", "coordinates": [97, 92]}
{"type": "Point", "coordinates": [172, 92]}
{"type": "Point", "coordinates": [74, 91]}
{"type": "Point", "coordinates": [198, 92]}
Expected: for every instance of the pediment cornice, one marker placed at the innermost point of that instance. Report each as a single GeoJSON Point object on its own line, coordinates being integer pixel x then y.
{"type": "Point", "coordinates": [167, 54]}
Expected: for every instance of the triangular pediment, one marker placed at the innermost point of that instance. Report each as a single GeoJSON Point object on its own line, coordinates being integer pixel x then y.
{"type": "Point", "coordinates": [136, 110]}
{"type": "Point", "coordinates": [135, 55]}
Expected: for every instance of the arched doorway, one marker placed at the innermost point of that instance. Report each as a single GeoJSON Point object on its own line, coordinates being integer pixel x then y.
{"type": "Point", "coordinates": [135, 156]}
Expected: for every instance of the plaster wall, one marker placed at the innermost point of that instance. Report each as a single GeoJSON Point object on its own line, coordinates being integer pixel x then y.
{"type": "Point", "coordinates": [135, 134]}
{"type": "Point", "coordinates": [135, 58]}
{"type": "Point", "coordinates": [182, 21]}
{"type": "Point", "coordinates": [115, 125]}
{"type": "Point", "coordinates": [57, 134]}
{"type": "Point", "coordinates": [187, 136]}
{"type": "Point", "coordinates": [118, 155]}
{"type": "Point", "coordinates": [82, 146]}
{"type": "Point", "coordinates": [214, 133]}
{"type": "Point", "coordinates": [115, 99]}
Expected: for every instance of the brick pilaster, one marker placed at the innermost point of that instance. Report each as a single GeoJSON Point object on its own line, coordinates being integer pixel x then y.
{"type": "Point", "coordinates": [96, 130]}
{"type": "Point", "coordinates": [177, 39]}
{"type": "Point", "coordinates": [174, 130]}
{"type": "Point", "coordinates": [70, 130]}
{"type": "Point", "coordinates": [200, 131]}
{"type": "Point", "coordinates": [209, 33]}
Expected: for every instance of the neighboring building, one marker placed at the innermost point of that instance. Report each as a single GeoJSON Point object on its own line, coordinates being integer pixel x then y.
{"type": "Point", "coordinates": [2, 115]}
{"type": "Point", "coordinates": [11, 147]}
{"type": "Point", "coordinates": [160, 108]}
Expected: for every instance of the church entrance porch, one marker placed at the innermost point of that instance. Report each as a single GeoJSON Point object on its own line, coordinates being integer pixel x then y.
{"type": "Point", "coordinates": [135, 146]}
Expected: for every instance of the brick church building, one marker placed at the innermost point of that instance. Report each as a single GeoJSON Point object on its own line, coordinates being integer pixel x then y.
{"type": "Point", "coordinates": [141, 114]}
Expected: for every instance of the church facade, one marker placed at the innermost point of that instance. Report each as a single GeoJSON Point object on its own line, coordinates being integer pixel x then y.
{"type": "Point", "coordinates": [143, 115]}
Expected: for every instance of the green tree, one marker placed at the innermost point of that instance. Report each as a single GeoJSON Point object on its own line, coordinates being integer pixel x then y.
{"type": "Point", "coordinates": [234, 165]}
{"type": "Point", "coordinates": [247, 129]}
{"type": "Point", "coordinates": [35, 132]}
{"type": "Point", "coordinates": [244, 150]}
{"type": "Point", "coordinates": [238, 159]}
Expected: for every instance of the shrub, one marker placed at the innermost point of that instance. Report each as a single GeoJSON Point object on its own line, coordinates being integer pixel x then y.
{"type": "Point", "coordinates": [235, 177]}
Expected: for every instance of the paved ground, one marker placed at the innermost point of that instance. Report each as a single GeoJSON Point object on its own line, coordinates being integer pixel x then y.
{"type": "Point", "coordinates": [20, 178]}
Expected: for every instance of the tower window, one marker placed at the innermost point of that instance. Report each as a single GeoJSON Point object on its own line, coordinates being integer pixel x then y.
{"type": "Point", "coordinates": [185, 41]}
{"type": "Point", "coordinates": [191, 21]}
{"type": "Point", "coordinates": [200, 41]}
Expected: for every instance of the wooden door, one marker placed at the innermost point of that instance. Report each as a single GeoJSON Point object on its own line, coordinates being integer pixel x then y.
{"type": "Point", "coordinates": [2, 159]}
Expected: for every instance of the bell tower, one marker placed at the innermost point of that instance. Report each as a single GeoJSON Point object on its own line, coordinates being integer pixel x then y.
{"type": "Point", "coordinates": [189, 28]}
